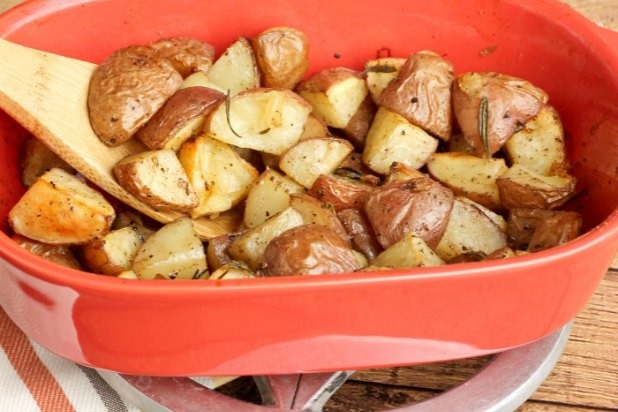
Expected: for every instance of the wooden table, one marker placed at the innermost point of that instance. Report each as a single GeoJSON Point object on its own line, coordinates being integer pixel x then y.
{"type": "Point", "coordinates": [586, 376]}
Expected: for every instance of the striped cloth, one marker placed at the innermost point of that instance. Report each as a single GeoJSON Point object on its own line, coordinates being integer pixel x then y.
{"type": "Point", "coordinates": [33, 379]}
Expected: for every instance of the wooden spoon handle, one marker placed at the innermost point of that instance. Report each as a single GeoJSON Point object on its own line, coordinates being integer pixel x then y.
{"type": "Point", "coordinates": [47, 95]}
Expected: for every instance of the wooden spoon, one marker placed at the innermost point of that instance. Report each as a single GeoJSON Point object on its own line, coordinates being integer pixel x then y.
{"type": "Point", "coordinates": [47, 95]}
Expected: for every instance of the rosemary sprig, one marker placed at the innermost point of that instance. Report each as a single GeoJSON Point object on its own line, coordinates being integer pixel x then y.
{"type": "Point", "coordinates": [228, 97]}
{"type": "Point", "coordinates": [483, 124]}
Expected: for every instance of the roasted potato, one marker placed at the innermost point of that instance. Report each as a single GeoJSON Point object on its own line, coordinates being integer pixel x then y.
{"type": "Point", "coordinates": [308, 249]}
{"type": "Point", "coordinates": [60, 254]}
{"type": "Point", "coordinates": [113, 253]}
{"type": "Point", "coordinates": [172, 252]}
{"type": "Point", "coordinates": [409, 252]}
{"type": "Point", "coordinates": [308, 159]}
{"type": "Point", "coordinates": [60, 209]}
{"type": "Point", "coordinates": [216, 251]}
{"type": "Point", "coordinates": [419, 205]}
{"type": "Point", "coordinates": [314, 127]}
{"type": "Point", "coordinates": [268, 196]}
{"type": "Point", "coordinates": [392, 138]}
{"type": "Point", "coordinates": [181, 117]}
{"type": "Point", "coordinates": [158, 179]}
{"type": "Point", "coordinates": [236, 69]}
{"type": "Point", "coordinates": [187, 55]}
{"type": "Point", "coordinates": [490, 107]}
{"type": "Point", "coordinates": [36, 159]}
{"type": "Point", "coordinates": [232, 270]}
{"type": "Point", "coordinates": [316, 212]}
{"type": "Point", "coordinates": [335, 94]}
{"type": "Point", "coordinates": [341, 192]}
{"type": "Point", "coordinates": [360, 232]}
{"type": "Point", "coordinates": [421, 93]}
{"type": "Point", "coordinates": [536, 229]}
{"type": "Point", "coordinates": [520, 187]}
{"type": "Point", "coordinates": [268, 120]}
{"type": "Point", "coordinates": [539, 146]}
{"type": "Point", "coordinates": [249, 247]}
{"type": "Point", "coordinates": [282, 55]}
{"type": "Point", "coordinates": [126, 90]}
{"type": "Point", "coordinates": [380, 72]}
{"type": "Point", "coordinates": [358, 127]}
{"type": "Point", "coordinates": [220, 177]}
{"type": "Point", "coordinates": [201, 79]}
{"type": "Point", "coordinates": [470, 176]}
{"type": "Point", "coordinates": [469, 230]}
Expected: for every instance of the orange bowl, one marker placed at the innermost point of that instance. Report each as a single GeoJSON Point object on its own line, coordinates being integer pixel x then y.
{"type": "Point", "coordinates": [330, 322]}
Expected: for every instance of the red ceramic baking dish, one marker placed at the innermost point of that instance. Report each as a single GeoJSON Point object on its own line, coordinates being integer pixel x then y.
{"type": "Point", "coordinates": [330, 322]}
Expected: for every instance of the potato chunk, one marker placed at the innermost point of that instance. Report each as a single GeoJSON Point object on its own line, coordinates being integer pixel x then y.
{"type": "Point", "coordinates": [156, 178]}
{"type": "Point", "coordinates": [380, 72]}
{"type": "Point", "coordinates": [126, 90]}
{"type": "Point", "coordinates": [537, 229]}
{"type": "Point", "coordinates": [309, 249]}
{"type": "Point", "coordinates": [180, 118]}
{"type": "Point", "coordinates": [61, 209]}
{"type": "Point", "coordinates": [490, 107]}
{"type": "Point", "coordinates": [172, 252]}
{"type": "Point", "coordinates": [522, 188]}
{"type": "Point", "coordinates": [310, 158]}
{"type": "Point", "coordinates": [268, 196]}
{"type": "Point", "coordinates": [60, 254]}
{"type": "Point", "coordinates": [187, 55]}
{"type": "Point", "coordinates": [335, 94]}
{"type": "Point", "coordinates": [419, 205]}
{"type": "Point", "coordinates": [236, 69]}
{"type": "Point", "coordinates": [392, 138]}
{"type": "Point", "coordinates": [249, 247]}
{"type": "Point", "coordinates": [470, 176]}
{"type": "Point", "coordinates": [421, 93]}
{"type": "Point", "coordinates": [409, 252]}
{"type": "Point", "coordinates": [469, 230]}
{"type": "Point", "coordinates": [539, 146]}
{"type": "Point", "coordinates": [36, 159]}
{"type": "Point", "coordinates": [113, 253]}
{"type": "Point", "coordinates": [220, 177]}
{"type": "Point", "coordinates": [282, 55]}
{"type": "Point", "coordinates": [267, 120]}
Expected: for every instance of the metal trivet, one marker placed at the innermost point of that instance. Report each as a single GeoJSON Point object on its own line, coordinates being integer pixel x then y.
{"type": "Point", "coordinates": [505, 383]}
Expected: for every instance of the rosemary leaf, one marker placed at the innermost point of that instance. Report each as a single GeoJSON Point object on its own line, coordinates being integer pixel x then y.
{"type": "Point", "coordinates": [227, 113]}
{"type": "Point", "coordinates": [483, 120]}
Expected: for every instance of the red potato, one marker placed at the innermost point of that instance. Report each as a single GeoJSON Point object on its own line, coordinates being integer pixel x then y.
{"type": "Point", "coordinates": [538, 229]}
{"type": "Point", "coordinates": [60, 254]}
{"type": "Point", "coordinates": [335, 94]}
{"type": "Point", "coordinates": [419, 205]}
{"type": "Point", "coordinates": [490, 107]}
{"type": "Point", "coordinates": [60, 209]}
{"type": "Point", "coordinates": [181, 117]}
{"type": "Point", "coordinates": [187, 55]}
{"type": "Point", "coordinates": [341, 192]}
{"type": "Point", "coordinates": [421, 93]}
{"type": "Point", "coordinates": [126, 90]}
{"type": "Point", "coordinates": [359, 229]}
{"type": "Point", "coordinates": [282, 54]}
{"type": "Point", "coordinates": [308, 249]}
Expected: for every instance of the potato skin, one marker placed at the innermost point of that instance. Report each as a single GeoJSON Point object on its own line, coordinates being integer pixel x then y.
{"type": "Point", "coordinates": [538, 229]}
{"type": "Point", "coordinates": [282, 54]}
{"type": "Point", "coordinates": [340, 192]}
{"type": "Point", "coordinates": [60, 254]}
{"type": "Point", "coordinates": [126, 90]}
{"type": "Point", "coordinates": [308, 249]}
{"type": "Point", "coordinates": [185, 105]}
{"type": "Point", "coordinates": [422, 93]}
{"type": "Point", "coordinates": [511, 102]}
{"type": "Point", "coordinates": [419, 205]}
{"type": "Point", "coordinates": [360, 232]}
{"type": "Point", "coordinates": [187, 55]}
